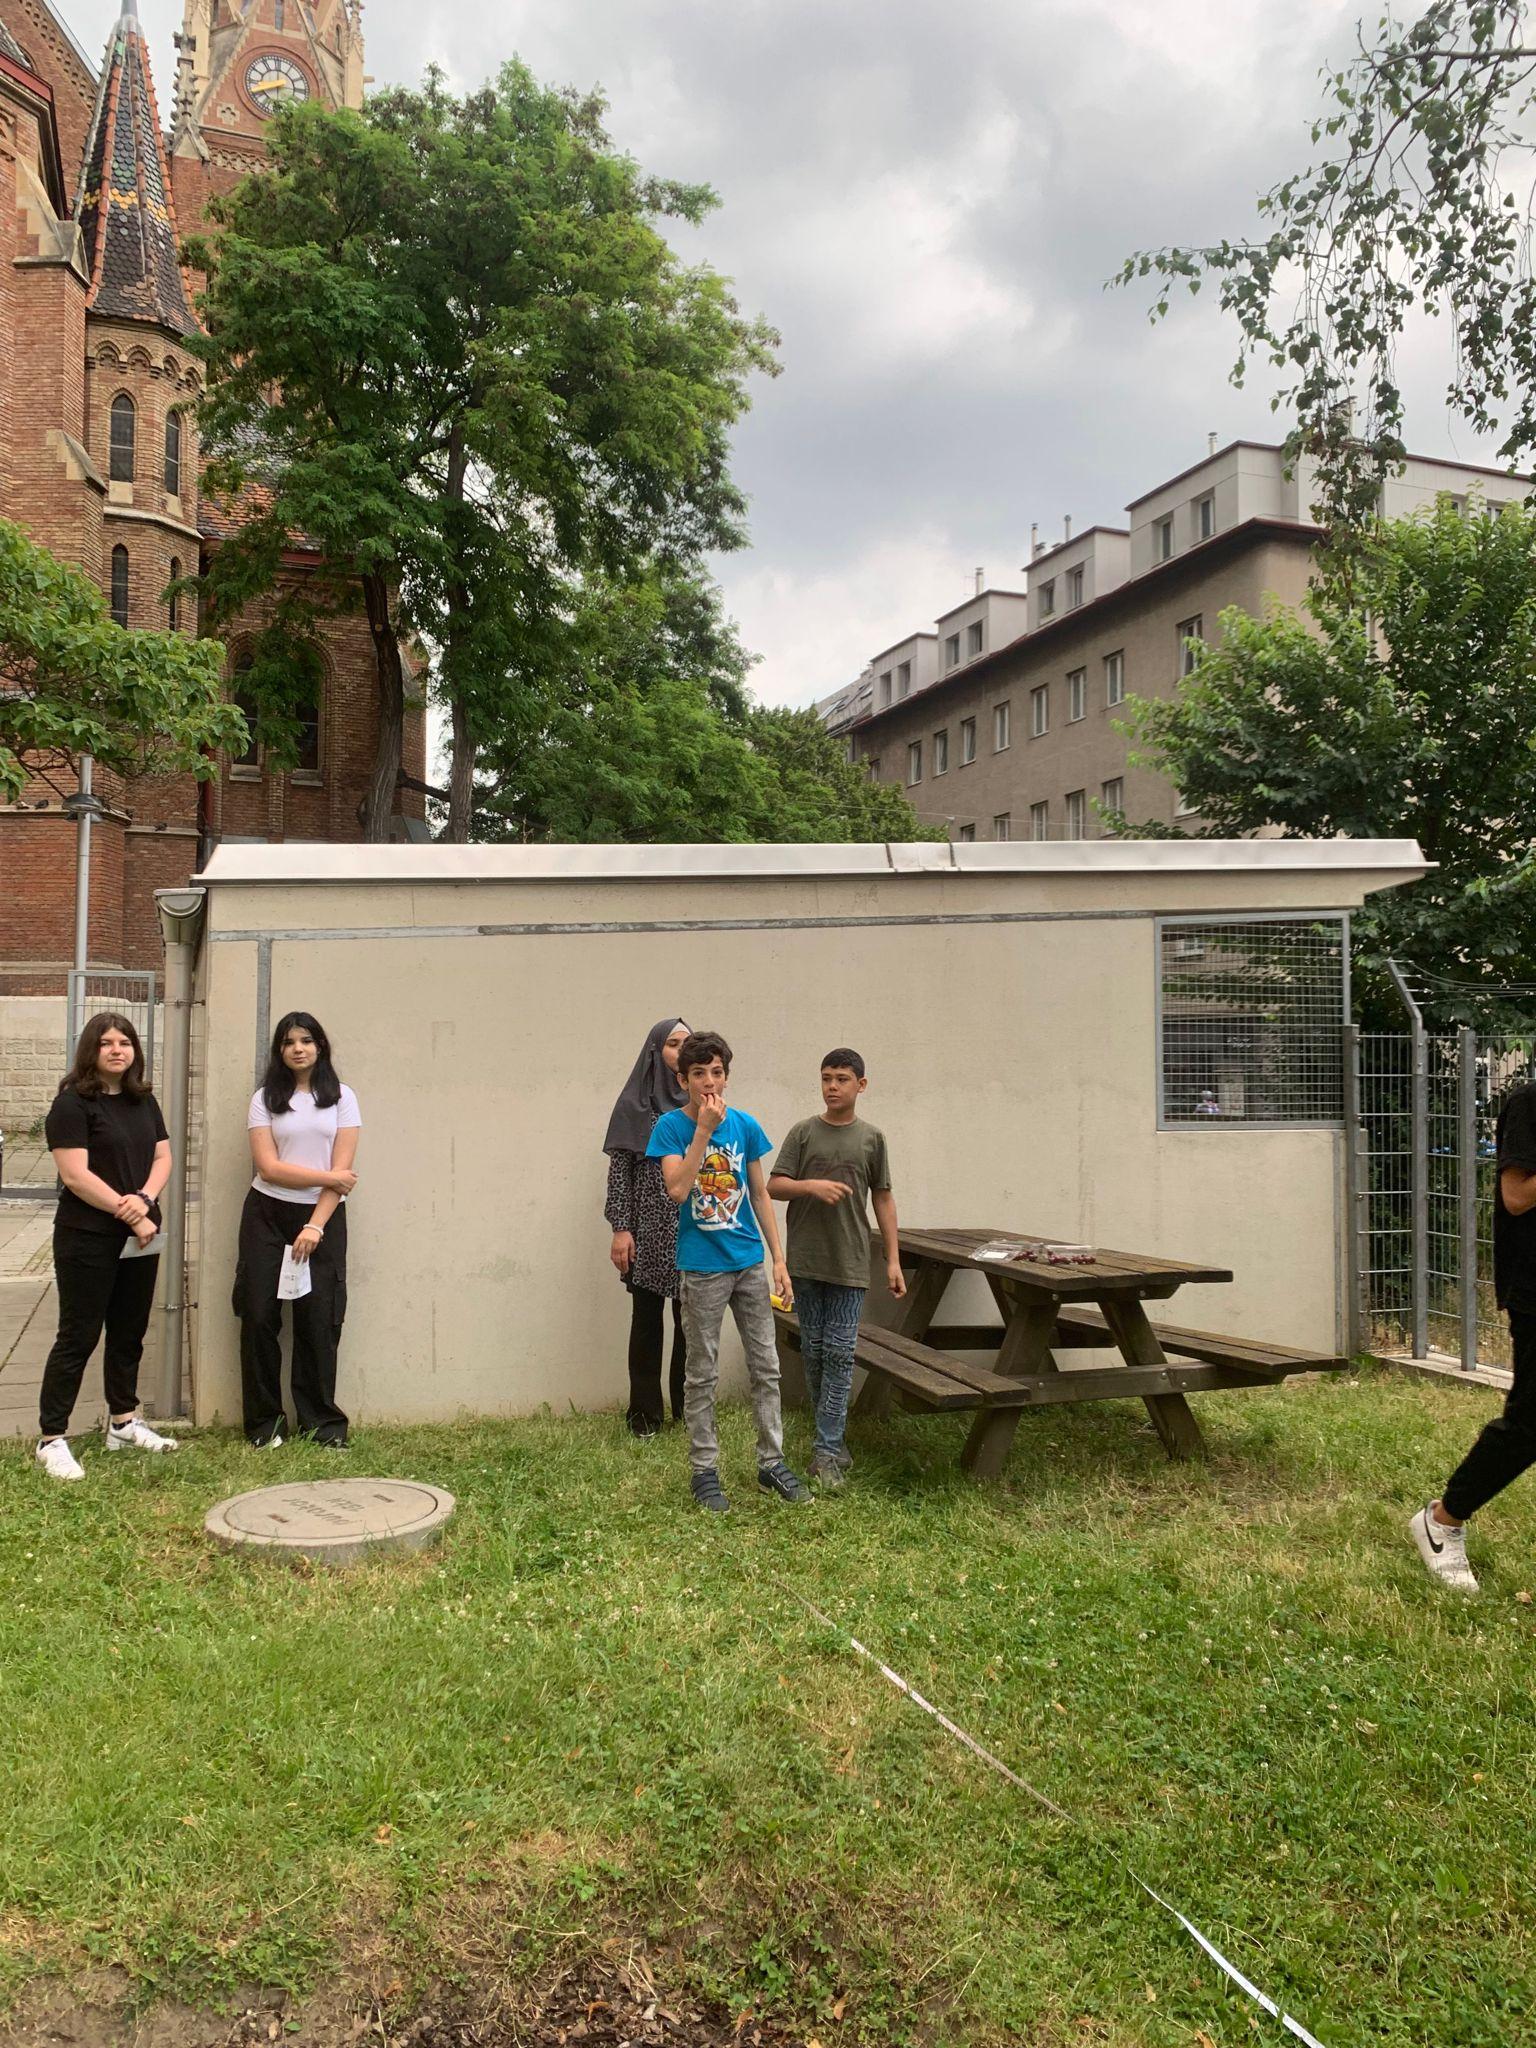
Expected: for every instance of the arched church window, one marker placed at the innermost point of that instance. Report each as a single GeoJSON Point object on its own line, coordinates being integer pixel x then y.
{"type": "Point", "coordinates": [249, 762]}
{"type": "Point", "coordinates": [174, 602]}
{"type": "Point", "coordinates": [173, 454]}
{"type": "Point", "coordinates": [120, 585]}
{"type": "Point", "coordinates": [124, 429]}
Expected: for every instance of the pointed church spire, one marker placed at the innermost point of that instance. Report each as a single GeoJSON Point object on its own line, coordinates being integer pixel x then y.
{"type": "Point", "coordinates": [124, 208]}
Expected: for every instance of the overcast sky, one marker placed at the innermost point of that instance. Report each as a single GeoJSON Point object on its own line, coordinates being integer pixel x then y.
{"type": "Point", "coordinates": [925, 198]}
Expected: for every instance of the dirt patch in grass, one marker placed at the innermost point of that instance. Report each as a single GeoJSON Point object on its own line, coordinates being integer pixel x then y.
{"type": "Point", "coordinates": [627, 2000]}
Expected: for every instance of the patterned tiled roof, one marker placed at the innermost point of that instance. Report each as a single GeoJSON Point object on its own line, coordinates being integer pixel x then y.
{"type": "Point", "coordinates": [125, 209]}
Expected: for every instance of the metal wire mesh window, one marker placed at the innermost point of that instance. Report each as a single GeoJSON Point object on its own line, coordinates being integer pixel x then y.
{"type": "Point", "coordinates": [1251, 1020]}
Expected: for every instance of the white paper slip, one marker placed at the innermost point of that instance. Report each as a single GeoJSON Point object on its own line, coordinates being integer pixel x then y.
{"type": "Point", "coordinates": [295, 1280]}
{"type": "Point", "coordinates": [132, 1249]}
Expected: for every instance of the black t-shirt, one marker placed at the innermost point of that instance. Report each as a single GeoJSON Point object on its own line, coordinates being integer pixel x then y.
{"type": "Point", "coordinates": [1514, 1237]}
{"type": "Point", "coordinates": [119, 1137]}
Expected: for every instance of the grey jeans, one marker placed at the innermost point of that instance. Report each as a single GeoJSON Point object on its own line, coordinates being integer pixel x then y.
{"type": "Point", "coordinates": [705, 1296]}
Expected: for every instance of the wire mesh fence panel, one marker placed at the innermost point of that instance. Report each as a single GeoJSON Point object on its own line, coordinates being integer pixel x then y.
{"type": "Point", "coordinates": [1430, 1185]}
{"type": "Point", "coordinates": [1250, 1016]}
{"type": "Point", "coordinates": [94, 990]}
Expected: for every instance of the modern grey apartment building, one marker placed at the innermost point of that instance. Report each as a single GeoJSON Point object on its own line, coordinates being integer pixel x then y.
{"type": "Point", "coordinates": [1000, 722]}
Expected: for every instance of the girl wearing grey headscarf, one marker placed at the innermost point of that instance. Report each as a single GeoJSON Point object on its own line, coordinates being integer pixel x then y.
{"type": "Point", "coordinates": [643, 1218]}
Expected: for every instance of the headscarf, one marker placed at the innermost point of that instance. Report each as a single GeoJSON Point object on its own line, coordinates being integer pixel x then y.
{"type": "Point", "coordinates": [651, 1090]}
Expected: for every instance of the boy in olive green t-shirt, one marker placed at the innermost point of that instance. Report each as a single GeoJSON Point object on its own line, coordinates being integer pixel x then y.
{"type": "Point", "coordinates": [828, 1169]}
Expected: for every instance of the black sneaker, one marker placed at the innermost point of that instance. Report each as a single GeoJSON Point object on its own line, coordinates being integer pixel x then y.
{"type": "Point", "coordinates": [270, 1438]}
{"type": "Point", "coordinates": [780, 1480]}
{"type": "Point", "coordinates": [709, 1493]}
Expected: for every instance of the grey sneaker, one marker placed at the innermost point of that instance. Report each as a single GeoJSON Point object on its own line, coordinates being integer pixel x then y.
{"type": "Point", "coordinates": [709, 1493]}
{"type": "Point", "coordinates": [1443, 1550]}
{"type": "Point", "coordinates": [828, 1474]}
{"type": "Point", "coordinates": [778, 1479]}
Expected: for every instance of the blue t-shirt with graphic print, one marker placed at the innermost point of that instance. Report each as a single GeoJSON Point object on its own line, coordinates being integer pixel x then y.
{"type": "Point", "coordinates": [716, 1229]}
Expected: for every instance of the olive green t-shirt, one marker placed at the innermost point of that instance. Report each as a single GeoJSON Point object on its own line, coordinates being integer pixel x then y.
{"type": "Point", "coordinates": [831, 1241]}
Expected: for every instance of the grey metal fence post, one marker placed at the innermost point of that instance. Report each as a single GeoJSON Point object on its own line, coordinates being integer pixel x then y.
{"type": "Point", "coordinates": [1420, 1184]}
{"type": "Point", "coordinates": [1356, 1190]}
{"type": "Point", "coordinates": [1466, 1192]}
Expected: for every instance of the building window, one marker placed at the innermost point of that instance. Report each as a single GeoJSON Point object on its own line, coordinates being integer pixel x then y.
{"type": "Point", "coordinates": [885, 689]}
{"type": "Point", "coordinates": [873, 765]}
{"type": "Point", "coordinates": [967, 741]}
{"type": "Point", "coordinates": [1074, 589]}
{"type": "Point", "coordinates": [1001, 826]}
{"type": "Point", "coordinates": [1191, 632]}
{"type": "Point", "coordinates": [1114, 679]}
{"type": "Point", "coordinates": [914, 762]}
{"type": "Point", "coordinates": [903, 678]}
{"type": "Point", "coordinates": [173, 602]}
{"type": "Point", "coordinates": [1077, 695]}
{"type": "Point", "coordinates": [952, 651]}
{"type": "Point", "coordinates": [1162, 540]}
{"type": "Point", "coordinates": [1040, 711]}
{"type": "Point", "coordinates": [1182, 807]}
{"type": "Point", "coordinates": [173, 454]}
{"type": "Point", "coordinates": [966, 834]}
{"type": "Point", "coordinates": [1077, 813]}
{"type": "Point", "coordinates": [120, 585]}
{"type": "Point", "coordinates": [941, 752]}
{"type": "Point", "coordinates": [1249, 1021]}
{"type": "Point", "coordinates": [1002, 724]}
{"type": "Point", "coordinates": [1040, 821]}
{"type": "Point", "coordinates": [123, 431]}
{"type": "Point", "coordinates": [975, 636]}
{"type": "Point", "coordinates": [277, 15]}
{"type": "Point", "coordinates": [245, 766]}
{"type": "Point", "coordinates": [1112, 793]}
{"type": "Point", "coordinates": [1205, 515]}
{"type": "Point", "coordinates": [1047, 599]}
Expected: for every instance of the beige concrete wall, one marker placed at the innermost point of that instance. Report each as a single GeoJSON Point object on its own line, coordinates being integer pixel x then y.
{"type": "Point", "coordinates": [1012, 1067]}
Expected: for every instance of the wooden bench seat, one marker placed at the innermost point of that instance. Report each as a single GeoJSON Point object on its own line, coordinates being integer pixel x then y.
{"type": "Point", "coordinates": [1078, 1324]}
{"type": "Point", "coordinates": [927, 1377]}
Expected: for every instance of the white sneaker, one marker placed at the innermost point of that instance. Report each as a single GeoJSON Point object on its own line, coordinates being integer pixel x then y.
{"type": "Point", "coordinates": [58, 1460]}
{"type": "Point", "coordinates": [1443, 1550]}
{"type": "Point", "coordinates": [136, 1435]}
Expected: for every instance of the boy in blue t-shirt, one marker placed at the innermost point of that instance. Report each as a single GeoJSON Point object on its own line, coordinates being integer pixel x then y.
{"type": "Point", "coordinates": [712, 1163]}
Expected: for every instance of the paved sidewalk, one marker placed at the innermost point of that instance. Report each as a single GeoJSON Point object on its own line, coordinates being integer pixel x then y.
{"type": "Point", "coordinates": [27, 1322]}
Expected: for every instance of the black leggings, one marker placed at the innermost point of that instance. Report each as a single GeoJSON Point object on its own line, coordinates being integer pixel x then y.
{"type": "Point", "coordinates": [1508, 1445]}
{"type": "Point", "coordinates": [647, 1326]}
{"type": "Point", "coordinates": [98, 1288]}
{"type": "Point", "coordinates": [267, 1228]}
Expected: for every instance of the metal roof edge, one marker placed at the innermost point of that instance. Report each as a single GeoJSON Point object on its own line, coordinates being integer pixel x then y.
{"type": "Point", "coordinates": [302, 862]}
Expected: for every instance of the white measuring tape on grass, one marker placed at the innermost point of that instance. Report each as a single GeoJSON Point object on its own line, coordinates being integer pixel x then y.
{"type": "Point", "coordinates": [995, 1763]}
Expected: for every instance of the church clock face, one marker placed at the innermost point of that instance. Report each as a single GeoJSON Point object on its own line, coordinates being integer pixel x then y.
{"type": "Point", "coordinates": [273, 81]}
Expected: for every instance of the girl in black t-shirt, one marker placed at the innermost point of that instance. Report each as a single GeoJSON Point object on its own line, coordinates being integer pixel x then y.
{"type": "Point", "coordinates": [109, 1142]}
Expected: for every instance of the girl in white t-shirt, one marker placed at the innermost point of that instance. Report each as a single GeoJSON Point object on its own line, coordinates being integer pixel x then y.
{"type": "Point", "coordinates": [303, 1125]}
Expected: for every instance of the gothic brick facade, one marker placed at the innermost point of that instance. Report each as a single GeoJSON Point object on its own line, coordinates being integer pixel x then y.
{"type": "Point", "coordinates": [98, 437]}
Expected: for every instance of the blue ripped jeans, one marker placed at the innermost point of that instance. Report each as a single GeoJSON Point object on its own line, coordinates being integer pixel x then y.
{"type": "Point", "coordinates": [829, 1330]}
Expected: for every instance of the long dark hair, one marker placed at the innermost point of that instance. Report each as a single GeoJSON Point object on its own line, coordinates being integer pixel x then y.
{"type": "Point", "coordinates": [280, 1080]}
{"type": "Point", "coordinates": [83, 1076]}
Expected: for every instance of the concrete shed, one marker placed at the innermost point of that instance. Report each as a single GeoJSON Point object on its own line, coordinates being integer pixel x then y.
{"type": "Point", "coordinates": [1130, 1044]}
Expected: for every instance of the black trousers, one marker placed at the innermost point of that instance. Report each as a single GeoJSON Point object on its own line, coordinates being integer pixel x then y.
{"type": "Point", "coordinates": [647, 1329]}
{"type": "Point", "coordinates": [1508, 1445]}
{"type": "Point", "coordinates": [267, 1228]}
{"type": "Point", "coordinates": [98, 1289]}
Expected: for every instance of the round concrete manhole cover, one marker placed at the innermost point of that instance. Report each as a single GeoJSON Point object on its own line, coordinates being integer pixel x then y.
{"type": "Point", "coordinates": [334, 1521]}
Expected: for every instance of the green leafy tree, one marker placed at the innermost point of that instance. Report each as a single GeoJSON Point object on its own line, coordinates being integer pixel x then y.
{"type": "Point", "coordinates": [449, 343]}
{"type": "Point", "coordinates": [73, 682]}
{"type": "Point", "coordinates": [1420, 200]}
{"type": "Point", "coordinates": [1396, 703]}
{"type": "Point", "coordinates": [637, 726]}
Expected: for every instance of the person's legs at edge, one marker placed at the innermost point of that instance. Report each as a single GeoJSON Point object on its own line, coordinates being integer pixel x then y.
{"type": "Point", "coordinates": [841, 1309]}
{"type": "Point", "coordinates": [646, 1313]}
{"type": "Point", "coordinates": [317, 1320]}
{"type": "Point", "coordinates": [704, 1297]}
{"type": "Point", "coordinates": [85, 1266]}
{"type": "Point", "coordinates": [1504, 1449]}
{"type": "Point", "coordinates": [259, 1261]}
{"type": "Point", "coordinates": [752, 1308]}
{"type": "Point", "coordinates": [679, 1359]}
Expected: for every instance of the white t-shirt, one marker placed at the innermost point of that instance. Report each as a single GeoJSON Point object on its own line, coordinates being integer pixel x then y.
{"type": "Point", "coordinates": [303, 1136]}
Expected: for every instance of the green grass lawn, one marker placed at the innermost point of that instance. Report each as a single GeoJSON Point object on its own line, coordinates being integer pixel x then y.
{"type": "Point", "coordinates": [593, 1711]}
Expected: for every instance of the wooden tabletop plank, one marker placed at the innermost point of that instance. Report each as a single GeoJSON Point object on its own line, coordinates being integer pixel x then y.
{"type": "Point", "coordinates": [1108, 1271]}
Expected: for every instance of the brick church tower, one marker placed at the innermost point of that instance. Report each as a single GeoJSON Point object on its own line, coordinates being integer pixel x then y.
{"type": "Point", "coordinates": [98, 433]}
